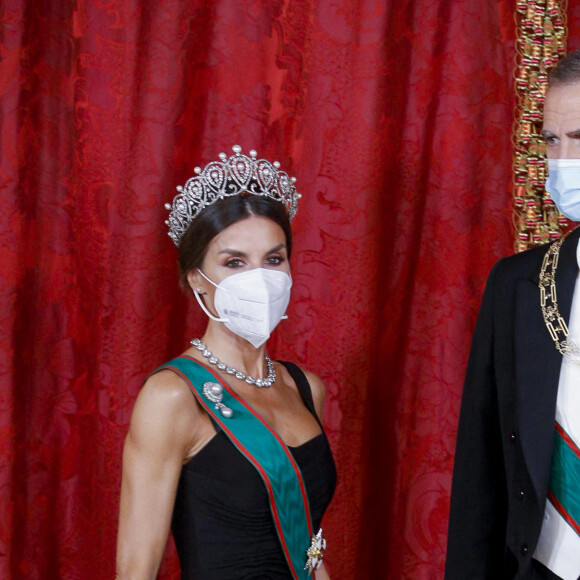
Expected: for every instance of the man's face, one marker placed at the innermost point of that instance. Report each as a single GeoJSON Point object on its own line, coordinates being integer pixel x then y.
{"type": "Point", "coordinates": [561, 129]}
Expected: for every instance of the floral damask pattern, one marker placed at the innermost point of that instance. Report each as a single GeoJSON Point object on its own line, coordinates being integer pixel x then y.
{"type": "Point", "coordinates": [396, 119]}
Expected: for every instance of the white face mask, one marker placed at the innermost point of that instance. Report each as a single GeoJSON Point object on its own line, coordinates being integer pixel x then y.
{"type": "Point", "coordinates": [563, 185]}
{"type": "Point", "coordinates": [251, 303]}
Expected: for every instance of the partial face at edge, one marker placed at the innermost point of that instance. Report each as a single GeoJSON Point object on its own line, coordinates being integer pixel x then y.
{"type": "Point", "coordinates": [561, 128]}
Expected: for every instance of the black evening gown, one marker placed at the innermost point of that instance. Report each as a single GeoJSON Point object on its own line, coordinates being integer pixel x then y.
{"type": "Point", "coordinates": [222, 524]}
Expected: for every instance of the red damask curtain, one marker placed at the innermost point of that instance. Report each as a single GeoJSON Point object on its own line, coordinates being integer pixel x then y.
{"type": "Point", "coordinates": [396, 119]}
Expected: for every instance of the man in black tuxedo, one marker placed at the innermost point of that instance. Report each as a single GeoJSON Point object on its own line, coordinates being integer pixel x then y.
{"type": "Point", "coordinates": [517, 439]}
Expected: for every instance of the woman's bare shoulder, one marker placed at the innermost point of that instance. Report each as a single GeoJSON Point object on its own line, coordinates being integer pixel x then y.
{"type": "Point", "coordinates": [165, 407]}
{"type": "Point", "coordinates": [316, 383]}
{"type": "Point", "coordinates": [165, 390]}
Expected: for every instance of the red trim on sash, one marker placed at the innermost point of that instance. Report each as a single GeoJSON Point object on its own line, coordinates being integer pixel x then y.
{"type": "Point", "coordinates": [567, 439]}
{"type": "Point", "coordinates": [250, 457]}
{"type": "Point", "coordinates": [562, 511]}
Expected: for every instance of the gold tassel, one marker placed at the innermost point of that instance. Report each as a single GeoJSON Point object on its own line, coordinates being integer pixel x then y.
{"type": "Point", "coordinates": [541, 35]}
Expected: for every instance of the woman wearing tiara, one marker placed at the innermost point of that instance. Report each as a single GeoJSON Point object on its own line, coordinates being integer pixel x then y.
{"type": "Point", "coordinates": [225, 445]}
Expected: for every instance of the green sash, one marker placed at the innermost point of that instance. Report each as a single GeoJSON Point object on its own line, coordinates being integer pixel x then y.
{"type": "Point", "coordinates": [565, 478]}
{"type": "Point", "coordinates": [266, 451]}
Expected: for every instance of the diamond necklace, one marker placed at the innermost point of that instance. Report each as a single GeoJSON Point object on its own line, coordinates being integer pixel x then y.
{"type": "Point", "coordinates": [222, 366]}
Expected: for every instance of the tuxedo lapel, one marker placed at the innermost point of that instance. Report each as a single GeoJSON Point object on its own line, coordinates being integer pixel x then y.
{"type": "Point", "coordinates": [538, 364]}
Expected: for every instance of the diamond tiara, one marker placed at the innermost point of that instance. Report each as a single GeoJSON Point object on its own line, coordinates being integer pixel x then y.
{"type": "Point", "coordinates": [226, 178]}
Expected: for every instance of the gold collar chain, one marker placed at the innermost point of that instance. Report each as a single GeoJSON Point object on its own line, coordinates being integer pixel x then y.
{"type": "Point", "coordinates": [555, 324]}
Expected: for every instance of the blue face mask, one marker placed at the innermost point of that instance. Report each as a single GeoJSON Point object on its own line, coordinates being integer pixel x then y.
{"type": "Point", "coordinates": [563, 185]}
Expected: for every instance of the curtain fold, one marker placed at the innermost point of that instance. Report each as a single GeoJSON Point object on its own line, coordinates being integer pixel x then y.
{"type": "Point", "coordinates": [449, 201]}
{"type": "Point", "coordinates": [396, 119]}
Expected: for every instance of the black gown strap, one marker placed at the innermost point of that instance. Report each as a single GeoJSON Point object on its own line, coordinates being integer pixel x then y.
{"type": "Point", "coordinates": [303, 385]}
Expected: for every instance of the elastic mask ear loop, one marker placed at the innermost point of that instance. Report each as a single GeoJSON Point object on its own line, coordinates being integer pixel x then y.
{"type": "Point", "coordinates": [285, 316]}
{"type": "Point", "coordinates": [203, 306]}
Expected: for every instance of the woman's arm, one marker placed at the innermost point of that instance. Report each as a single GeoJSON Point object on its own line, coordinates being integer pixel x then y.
{"type": "Point", "coordinates": [321, 573]}
{"type": "Point", "coordinates": [160, 437]}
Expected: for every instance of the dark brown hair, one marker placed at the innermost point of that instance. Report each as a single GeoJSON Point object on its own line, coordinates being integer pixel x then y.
{"type": "Point", "coordinates": [219, 216]}
{"type": "Point", "coordinates": [567, 71]}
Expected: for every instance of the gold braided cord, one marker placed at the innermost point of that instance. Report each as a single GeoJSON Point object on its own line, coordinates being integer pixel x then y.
{"type": "Point", "coordinates": [541, 35]}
